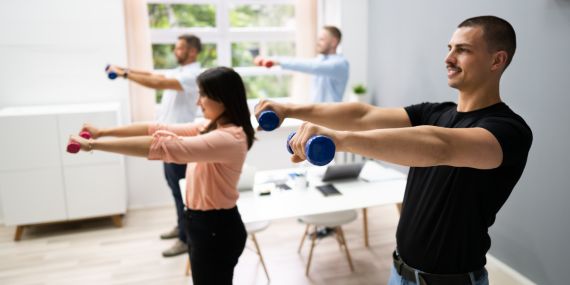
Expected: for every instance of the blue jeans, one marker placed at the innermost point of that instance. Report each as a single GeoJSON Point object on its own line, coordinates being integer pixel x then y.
{"type": "Point", "coordinates": [396, 279]}
{"type": "Point", "coordinates": [173, 173]}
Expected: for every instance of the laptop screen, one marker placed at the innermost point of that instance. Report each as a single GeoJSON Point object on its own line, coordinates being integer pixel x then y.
{"type": "Point", "coordinates": [342, 171]}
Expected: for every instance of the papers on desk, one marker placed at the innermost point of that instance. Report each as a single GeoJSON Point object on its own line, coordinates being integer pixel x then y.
{"type": "Point", "coordinates": [373, 172]}
{"type": "Point", "coordinates": [273, 177]}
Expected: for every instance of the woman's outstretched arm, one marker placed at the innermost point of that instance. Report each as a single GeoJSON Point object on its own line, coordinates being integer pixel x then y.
{"type": "Point", "coordinates": [132, 146]}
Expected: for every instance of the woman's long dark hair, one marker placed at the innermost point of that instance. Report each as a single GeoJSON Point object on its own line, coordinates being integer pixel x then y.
{"type": "Point", "coordinates": [224, 85]}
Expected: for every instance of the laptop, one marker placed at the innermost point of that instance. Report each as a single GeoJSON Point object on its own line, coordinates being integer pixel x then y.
{"type": "Point", "coordinates": [342, 171]}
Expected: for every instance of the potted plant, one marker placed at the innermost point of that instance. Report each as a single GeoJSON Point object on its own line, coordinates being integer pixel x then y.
{"type": "Point", "coordinates": [359, 92]}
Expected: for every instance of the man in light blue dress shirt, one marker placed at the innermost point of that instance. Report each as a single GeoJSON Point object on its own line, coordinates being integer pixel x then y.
{"type": "Point", "coordinates": [330, 69]}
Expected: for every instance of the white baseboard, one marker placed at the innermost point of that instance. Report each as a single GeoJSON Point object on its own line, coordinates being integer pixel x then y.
{"type": "Point", "coordinates": [500, 273]}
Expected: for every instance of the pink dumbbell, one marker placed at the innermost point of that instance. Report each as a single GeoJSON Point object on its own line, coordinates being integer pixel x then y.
{"type": "Point", "coordinates": [268, 63]}
{"type": "Point", "coordinates": [73, 146]}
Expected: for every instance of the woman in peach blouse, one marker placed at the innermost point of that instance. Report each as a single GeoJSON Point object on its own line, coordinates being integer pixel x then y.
{"type": "Point", "coordinates": [215, 153]}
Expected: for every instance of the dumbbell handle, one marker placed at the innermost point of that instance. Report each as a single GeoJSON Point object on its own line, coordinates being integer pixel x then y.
{"type": "Point", "coordinates": [319, 149]}
{"type": "Point", "coordinates": [73, 146]}
{"type": "Point", "coordinates": [268, 120]}
{"type": "Point", "coordinates": [111, 74]}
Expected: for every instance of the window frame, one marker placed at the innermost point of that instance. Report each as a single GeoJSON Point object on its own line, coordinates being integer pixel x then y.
{"type": "Point", "coordinates": [223, 35]}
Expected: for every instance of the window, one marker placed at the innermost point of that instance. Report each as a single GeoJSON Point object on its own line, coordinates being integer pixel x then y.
{"type": "Point", "coordinates": [233, 33]}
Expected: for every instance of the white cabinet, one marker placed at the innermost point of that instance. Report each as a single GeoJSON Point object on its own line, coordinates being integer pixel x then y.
{"type": "Point", "coordinates": [40, 182]}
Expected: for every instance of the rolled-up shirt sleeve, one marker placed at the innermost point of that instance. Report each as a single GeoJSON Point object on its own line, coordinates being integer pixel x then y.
{"type": "Point", "coordinates": [216, 146]}
{"type": "Point", "coordinates": [187, 80]}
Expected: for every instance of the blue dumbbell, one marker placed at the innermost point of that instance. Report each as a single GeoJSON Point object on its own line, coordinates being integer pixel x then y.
{"type": "Point", "coordinates": [112, 75]}
{"type": "Point", "coordinates": [268, 120]}
{"type": "Point", "coordinates": [319, 149]}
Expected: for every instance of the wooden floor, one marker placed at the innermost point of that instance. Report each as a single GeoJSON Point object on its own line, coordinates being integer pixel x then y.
{"type": "Point", "coordinates": [95, 252]}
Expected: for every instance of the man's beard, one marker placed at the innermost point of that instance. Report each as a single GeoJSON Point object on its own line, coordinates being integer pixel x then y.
{"type": "Point", "coordinates": [181, 60]}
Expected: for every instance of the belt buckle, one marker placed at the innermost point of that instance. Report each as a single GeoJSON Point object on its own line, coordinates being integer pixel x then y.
{"type": "Point", "coordinates": [397, 262]}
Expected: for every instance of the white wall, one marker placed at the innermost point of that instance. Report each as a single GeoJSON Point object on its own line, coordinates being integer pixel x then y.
{"type": "Point", "coordinates": [351, 17]}
{"type": "Point", "coordinates": [408, 43]}
{"type": "Point", "coordinates": [54, 52]}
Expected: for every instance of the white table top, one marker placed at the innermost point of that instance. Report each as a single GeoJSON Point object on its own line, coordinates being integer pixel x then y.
{"type": "Point", "coordinates": [376, 186]}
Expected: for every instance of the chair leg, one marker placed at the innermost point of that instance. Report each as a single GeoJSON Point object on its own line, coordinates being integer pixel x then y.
{"type": "Point", "coordinates": [187, 271]}
{"type": "Point", "coordinates": [399, 207]}
{"type": "Point", "coordinates": [260, 256]}
{"type": "Point", "coordinates": [313, 239]}
{"type": "Point", "coordinates": [303, 238]}
{"type": "Point", "coordinates": [346, 249]}
{"type": "Point", "coordinates": [337, 236]}
{"type": "Point", "coordinates": [365, 221]}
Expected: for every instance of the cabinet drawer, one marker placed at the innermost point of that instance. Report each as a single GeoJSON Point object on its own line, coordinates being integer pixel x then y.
{"type": "Point", "coordinates": [95, 190]}
{"type": "Point", "coordinates": [29, 142]}
{"type": "Point", "coordinates": [32, 196]}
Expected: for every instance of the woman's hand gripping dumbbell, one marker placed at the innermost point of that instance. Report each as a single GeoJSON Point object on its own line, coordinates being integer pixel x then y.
{"type": "Point", "coordinates": [87, 133]}
{"type": "Point", "coordinates": [73, 146]}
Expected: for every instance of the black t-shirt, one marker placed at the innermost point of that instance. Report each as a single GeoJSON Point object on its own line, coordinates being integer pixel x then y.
{"type": "Point", "coordinates": [447, 210]}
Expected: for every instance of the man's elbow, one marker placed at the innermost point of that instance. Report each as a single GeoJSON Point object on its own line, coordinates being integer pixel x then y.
{"type": "Point", "coordinates": [441, 155]}
{"type": "Point", "coordinates": [164, 84]}
{"type": "Point", "coordinates": [481, 159]}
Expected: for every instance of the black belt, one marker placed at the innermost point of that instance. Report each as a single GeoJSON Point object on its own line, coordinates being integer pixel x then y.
{"type": "Point", "coordinates": [408, 273]}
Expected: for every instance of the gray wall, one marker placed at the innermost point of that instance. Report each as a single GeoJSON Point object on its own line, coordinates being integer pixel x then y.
{"type": "Point", "coordinates": [407, 46]}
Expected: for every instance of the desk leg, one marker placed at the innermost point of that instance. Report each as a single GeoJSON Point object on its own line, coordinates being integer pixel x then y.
{"type": "Point", "coordinates": [365, 221]}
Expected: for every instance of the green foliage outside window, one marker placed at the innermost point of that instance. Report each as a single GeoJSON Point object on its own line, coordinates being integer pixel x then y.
{"type": "Point", "coordinates": [168, 16]}
{"type": "Point", "coordinates": [243, 53]}
{"type": "Point", "coordinates": [267, 86]}
{"type": "Point", "coordinates": [258, 15]}
{"type": "Point", "coordinates": [164, 16]}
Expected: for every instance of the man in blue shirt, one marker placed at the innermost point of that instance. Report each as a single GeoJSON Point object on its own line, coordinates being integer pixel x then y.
{"type": "Point", "coordinates": [330, 69]}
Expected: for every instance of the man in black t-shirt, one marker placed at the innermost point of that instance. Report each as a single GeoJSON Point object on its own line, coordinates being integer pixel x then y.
{"type": "Point", "coordinates": [465, 158]}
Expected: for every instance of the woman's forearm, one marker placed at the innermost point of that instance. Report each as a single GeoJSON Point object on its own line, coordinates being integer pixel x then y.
{"type": "Point", "coordinates": [132, 146]}
{"type": "Point", "coordinates": [132, 130]}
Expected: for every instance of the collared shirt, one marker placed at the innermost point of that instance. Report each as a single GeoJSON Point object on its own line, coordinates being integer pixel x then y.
{"type": "Point", "coordinates": [214, 159]}
{"type": "Point", "coordinates": [331, 75]}
{"type": "Point", "coordinates": [180, 106]}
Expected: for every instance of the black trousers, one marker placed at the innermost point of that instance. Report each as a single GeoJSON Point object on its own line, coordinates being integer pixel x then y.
{"type": "Point", "coordinates": [216, 239]}
{"type": "Point", "coordinates": [173, 173]}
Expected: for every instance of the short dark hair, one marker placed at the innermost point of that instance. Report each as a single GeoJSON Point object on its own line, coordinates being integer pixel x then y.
{"type": "Point", "coordinates": [498, 34]}
{"type": "Point", "coordinates": [334, 31]}
{"type": "Point", "coordinates": [223, 84]}
{"type": "Point", "coordinates": [192, 41]}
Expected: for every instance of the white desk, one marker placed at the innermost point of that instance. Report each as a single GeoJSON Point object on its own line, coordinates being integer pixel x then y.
{"type": "Point", "coordinates": [385, 186]}
{"type": "Point", "coordinates": [377, 185]}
